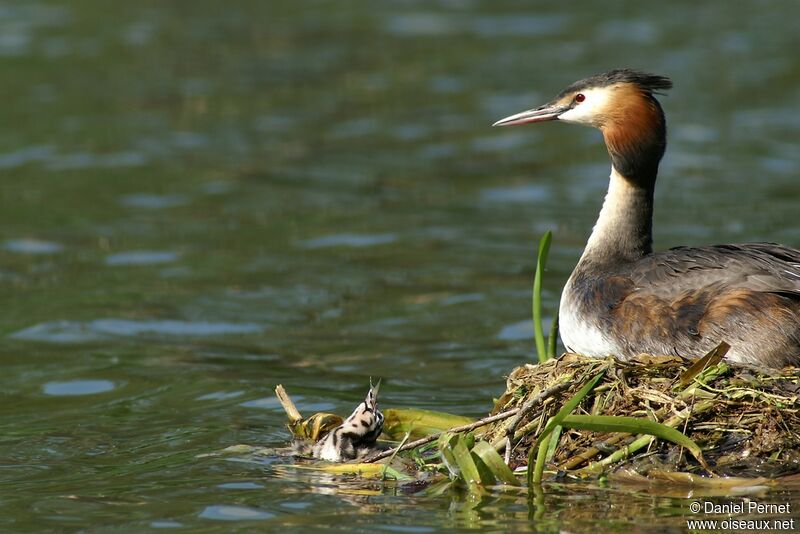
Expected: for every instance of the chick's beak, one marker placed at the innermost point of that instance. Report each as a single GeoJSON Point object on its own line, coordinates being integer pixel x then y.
{"type": "Point", "coordinates": [372, 396]}
{"type": "Point", "coordinates": [548, 112]}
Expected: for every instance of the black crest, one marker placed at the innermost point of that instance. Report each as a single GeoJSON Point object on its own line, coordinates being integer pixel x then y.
{"type": "Point", "coordinates": [649, 83]}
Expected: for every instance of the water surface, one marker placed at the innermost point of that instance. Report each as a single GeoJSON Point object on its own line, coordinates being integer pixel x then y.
{"type": "Point", "coordinates": [202, 201]}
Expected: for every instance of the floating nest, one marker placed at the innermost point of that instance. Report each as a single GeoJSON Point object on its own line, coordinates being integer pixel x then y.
{"type": "Point", "coordinates": [642, 420]}
{"type": "Point", "coordinates": [746, 421]}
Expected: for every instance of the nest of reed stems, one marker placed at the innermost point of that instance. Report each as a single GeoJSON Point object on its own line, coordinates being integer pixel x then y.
{"type": "Point", "coordinates": [746, 421]}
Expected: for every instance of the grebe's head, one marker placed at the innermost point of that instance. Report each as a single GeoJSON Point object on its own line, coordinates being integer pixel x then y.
{"type": "Point", "coordinates": [621, 104]}
{"type": "Point", "coordinates": [599, 100]}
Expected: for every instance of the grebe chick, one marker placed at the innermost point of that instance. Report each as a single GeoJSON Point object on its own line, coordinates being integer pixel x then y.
{"type": "Point", "coordinates": [357, 436]}
{"type": "Point", "coordinates": [623, 299]}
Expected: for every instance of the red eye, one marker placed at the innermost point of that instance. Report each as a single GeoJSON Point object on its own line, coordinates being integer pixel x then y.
{"type": "Point", "coordinates": [580, 97]}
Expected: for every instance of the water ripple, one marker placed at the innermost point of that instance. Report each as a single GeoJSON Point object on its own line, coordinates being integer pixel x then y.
{"type": "Point", "coordinates": [101, 329]}
{"type": "Point", "coordinates": [424, 23]}
{"type": "Point", "coordinates": [151, 201]}
{"type": "Point", "coordinates": [525, 193]}
{"type": "Point", "coordinates": [78, 387]}
{"type": "Point", "coordinates": [222, 512]}
{"type": "Point", "coordinates": [32, 246]}
{"type": "Point", "coordinates": [517, 331]}
{"type": "Point", "coordinates": [88, 160]}
{"type": "Point", "coordinates": [221, 395]}
{"type": "Point", "coordinates": [26, 155]}
{"type": "Point", "coordinates": [166, 524]}
{"type": "Point", "coordinates": [141, 257]}
{"type": "Point", "coordinates": [240, 485]}
{"type": "Point", "coordinates": [349, 240]}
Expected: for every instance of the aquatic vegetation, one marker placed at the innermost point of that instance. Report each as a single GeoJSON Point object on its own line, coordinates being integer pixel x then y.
{"type": "Point", "coordinates": [593, 417]}
{"type": "Point", "coordinates": [580, 417]}
{"type": "Point", "coordinates": [544, 352]}
{"type": "Point", "coordinates": [744, 420]}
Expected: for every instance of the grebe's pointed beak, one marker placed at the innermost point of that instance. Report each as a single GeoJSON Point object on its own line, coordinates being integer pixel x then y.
{"type": "Point", "coordinates": [548, 112]}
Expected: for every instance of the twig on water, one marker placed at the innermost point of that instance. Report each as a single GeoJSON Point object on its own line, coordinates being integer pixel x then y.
{"type": "Point", "coordinates": [288, 406]}
{"type": "Point", "coordinates": [538, 399]}
{"type": "Point", "coordinates": [529, 405]}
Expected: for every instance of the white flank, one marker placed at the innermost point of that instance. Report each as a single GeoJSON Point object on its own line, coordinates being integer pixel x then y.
{"type": "Point", "coordinates": [579, 335]}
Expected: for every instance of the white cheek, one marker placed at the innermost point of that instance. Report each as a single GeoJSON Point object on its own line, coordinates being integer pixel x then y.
{"type": "Point", "coordinates": [588, 111]}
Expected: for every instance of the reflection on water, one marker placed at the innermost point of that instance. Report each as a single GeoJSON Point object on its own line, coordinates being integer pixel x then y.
{"type": "Point", "coordinates": [528, 193]}
{"type": "Point", "coordinates": [349, 240]}
{"type": "Point", "coordinates": [78, 387]}
{"type": "Point", "coordinates": [144, 200]}
{"type": "Point", "coordinates": [32, 246]}
{"type": "Point", "coordinates": [520, 330]}
{"type": "Point", "coordinates": [99, 329]}
{"type": "Point", "coordinates": [241, 485]}
{"type": "Point", "coordinates": [234, 513]}
{"type": "Point", "coordinates": [198, 204]}
{"type": "Point", "coordinates": [441, 24]}
{"type": "Point", "coordinates": [221, 395]}
{"type": "Point", "coordinates": [141, 257]}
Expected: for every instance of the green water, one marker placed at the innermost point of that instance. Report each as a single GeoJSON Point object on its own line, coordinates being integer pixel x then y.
{"type": "Point", "coordinates": [201, 200]}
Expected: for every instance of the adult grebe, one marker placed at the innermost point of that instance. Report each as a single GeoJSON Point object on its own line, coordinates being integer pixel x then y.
{"type": "Point", "coordinates": [624, 299]}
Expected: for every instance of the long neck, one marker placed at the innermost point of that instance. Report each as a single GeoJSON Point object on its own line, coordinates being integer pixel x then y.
{"type": "Point", "coordinates": [624, 229]}
{"type": "Point", "coordinates": [636, 139]}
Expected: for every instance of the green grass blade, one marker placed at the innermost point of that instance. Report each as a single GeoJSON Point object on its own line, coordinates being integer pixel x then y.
{"type": "Point", "coordinates": [633, 425]}
{"type": "Point", "coordinates": [541, 261]}
{"type": "Point", "coordinates": [455, 450]}
{"type": "Point", "coordinates": [554, 439]}
{"type": "Point", "coordinates": [494, 462]}
{"type": "Point", "coordinates": [449, 461]}
{"type": "Point", "coordinates": [572, 403]}
{"type": "Point", "coordinates": [535, 475]}
{"type": "Point", "coordinates": [469, 471]}
{"type": "Point", "coordinates": [540, 461]}
{"type": "Point", "coordinates": [552, 338]}
{"type": "Point", "coordinates": [547, 449]}
{"type": "Point", "coordinates": [419, 423]}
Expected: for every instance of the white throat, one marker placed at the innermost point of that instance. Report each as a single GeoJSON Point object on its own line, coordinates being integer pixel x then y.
{"type": "Point", "coordinates": [624, 226]}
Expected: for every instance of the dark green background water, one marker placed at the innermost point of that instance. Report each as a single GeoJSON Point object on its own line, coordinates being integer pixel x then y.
{"type": "Point", "coordinates": [203, 199]}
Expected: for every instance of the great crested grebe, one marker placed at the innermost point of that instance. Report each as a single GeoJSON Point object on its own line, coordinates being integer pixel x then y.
{"type": "Point", "coordinates": [623, 299]}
